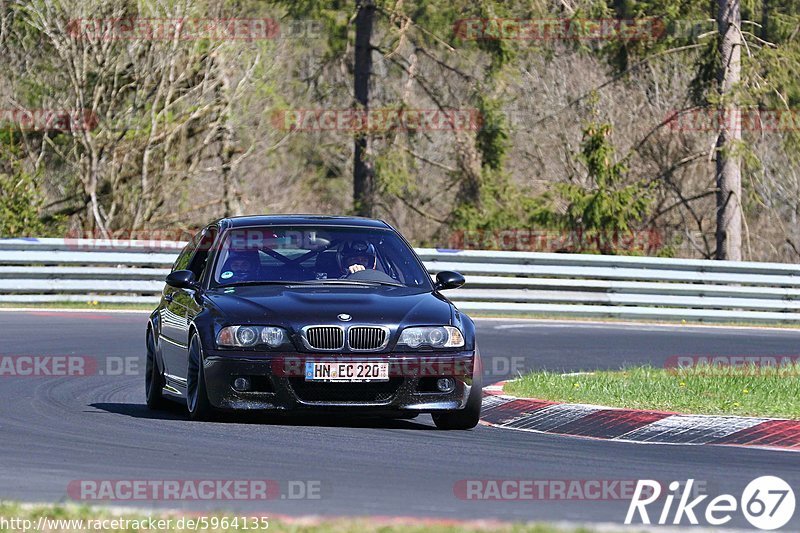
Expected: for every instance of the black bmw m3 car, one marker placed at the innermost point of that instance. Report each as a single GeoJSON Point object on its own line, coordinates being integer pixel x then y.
{"type": "Point", "coordinates": [311, 314]}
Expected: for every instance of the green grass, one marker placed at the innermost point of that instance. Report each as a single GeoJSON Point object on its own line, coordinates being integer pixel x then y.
{"type": "Point", "coordinates": [301, 525]}
{"type": "Point", "coordinates": [743, 391]}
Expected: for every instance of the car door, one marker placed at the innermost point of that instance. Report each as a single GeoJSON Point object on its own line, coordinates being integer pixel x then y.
{"type": "Point", "coordinates": [188, 302]}
{"type": "Point", "coordinates": [172, 338]}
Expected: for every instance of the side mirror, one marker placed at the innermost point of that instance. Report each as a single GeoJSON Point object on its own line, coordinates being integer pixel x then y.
{"type": "Point", "coordinates": [182, 279]}
{"type": "Point", "coordinates": [448, 280]}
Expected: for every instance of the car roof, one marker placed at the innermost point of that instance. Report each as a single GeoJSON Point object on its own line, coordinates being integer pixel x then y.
{"type": "Point", "coordinates": [289, 220]}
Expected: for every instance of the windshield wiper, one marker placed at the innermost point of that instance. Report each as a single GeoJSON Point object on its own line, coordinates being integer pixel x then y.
{"type": "Point", "coordinates": [310, 282]}
{"type": "Point", "coordinates": [356, 282]}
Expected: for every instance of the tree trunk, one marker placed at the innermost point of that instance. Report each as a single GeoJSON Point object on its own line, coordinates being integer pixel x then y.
{"type": "Point", "coordinates": [363, 172]}
{"type": "Point", "coordinates": [729, 171]}
{"type": "Point", "coordinates": [227, 149]}
{"type": "Point", "coordinates": [230, 194]}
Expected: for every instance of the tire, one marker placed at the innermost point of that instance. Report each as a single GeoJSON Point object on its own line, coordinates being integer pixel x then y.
{"type": "Point", "coordinates": [153, 377]}
{"type": "Point", "coordinates": [196, 394]}
{"type": "Point", "coordinates": [466, 418]}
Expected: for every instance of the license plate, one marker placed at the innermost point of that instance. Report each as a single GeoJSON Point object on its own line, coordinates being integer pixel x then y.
{"type": "Point", "coordinates": [347, 372]}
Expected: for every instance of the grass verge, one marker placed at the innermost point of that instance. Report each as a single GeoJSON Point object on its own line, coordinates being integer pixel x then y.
{"type": "Point", "coordinates": [703, 389]}
{"type": "Point", "coordinates": [56, 519]}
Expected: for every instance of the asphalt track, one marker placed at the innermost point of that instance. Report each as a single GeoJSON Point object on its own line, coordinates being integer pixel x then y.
{"type": "Point", "coordinates": [54, 430]}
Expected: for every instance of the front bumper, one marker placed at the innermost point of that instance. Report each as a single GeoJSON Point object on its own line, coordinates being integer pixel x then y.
{"type": "Point", "coordinates": [278, 383]}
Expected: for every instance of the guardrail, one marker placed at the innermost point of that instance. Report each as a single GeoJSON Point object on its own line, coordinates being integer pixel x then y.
{"type": "Point", "coordinates": [76, 270]}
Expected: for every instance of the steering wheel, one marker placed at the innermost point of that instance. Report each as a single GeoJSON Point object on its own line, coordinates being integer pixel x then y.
{"type": "Point", "coordinates": [369, 275]}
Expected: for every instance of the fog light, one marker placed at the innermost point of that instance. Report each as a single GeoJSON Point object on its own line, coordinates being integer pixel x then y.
{"type": "Point", "coordinates": [241, 384]}
{"type": "Point", "coordinates": [445, 384]}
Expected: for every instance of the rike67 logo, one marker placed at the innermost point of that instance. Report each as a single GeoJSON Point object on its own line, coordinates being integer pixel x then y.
{"type": "Point", "coordinates": [767, 502]}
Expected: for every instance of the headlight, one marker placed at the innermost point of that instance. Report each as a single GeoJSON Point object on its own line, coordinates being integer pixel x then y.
{"type": "Point", "coordinates": [248, 336]}
{"type": "Point", "coordinates": [437, 337]}
{"type": "Point", "coordinates": [272, 336]}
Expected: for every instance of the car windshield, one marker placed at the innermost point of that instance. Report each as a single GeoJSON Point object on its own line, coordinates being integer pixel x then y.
{"type": "Point", "coordinates": [317, 254]}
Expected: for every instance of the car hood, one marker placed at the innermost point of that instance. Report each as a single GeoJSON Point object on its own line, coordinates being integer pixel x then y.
{"type": "Point", "coordinates": [298, 306]}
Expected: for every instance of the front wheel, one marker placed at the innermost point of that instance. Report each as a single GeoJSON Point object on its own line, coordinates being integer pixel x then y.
{"type": "Point", "coordinates": [153, 379]}
{"type": "Point", "coordinates": [466, 418]}
{"type": "Point", "coordinates": [196, 395]}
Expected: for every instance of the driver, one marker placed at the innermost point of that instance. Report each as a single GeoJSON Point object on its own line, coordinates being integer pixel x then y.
{"type": "Point", "coordinates": [241, 266]}
{"type": "Point", "coordinates": [355, 256]}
